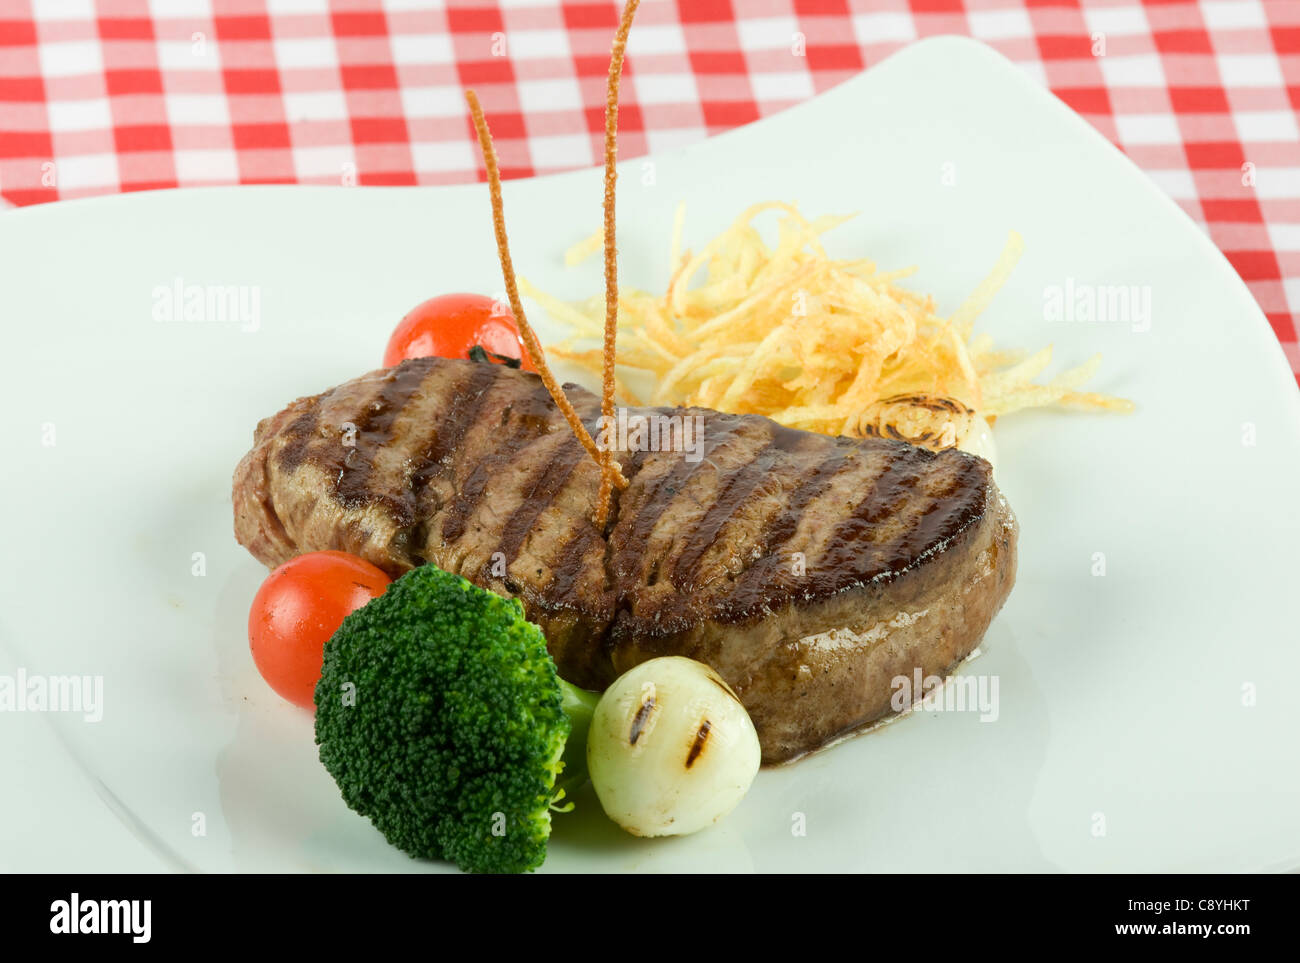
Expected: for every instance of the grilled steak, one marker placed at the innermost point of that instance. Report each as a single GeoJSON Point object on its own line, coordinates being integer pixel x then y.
{"type": "Point", "coordinates": [809, 571]}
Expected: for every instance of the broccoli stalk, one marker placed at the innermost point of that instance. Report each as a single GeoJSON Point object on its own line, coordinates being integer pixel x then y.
{"type": "Point", "coordinates": [440, 715]}
{"type": "Point", "coordinates": [580, 706]}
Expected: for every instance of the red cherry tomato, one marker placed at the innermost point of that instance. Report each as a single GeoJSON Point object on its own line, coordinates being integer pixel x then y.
{"type": "Point", "coordinates": [299, 606]}
{"type": "Point", "coordinates": [449, 325]}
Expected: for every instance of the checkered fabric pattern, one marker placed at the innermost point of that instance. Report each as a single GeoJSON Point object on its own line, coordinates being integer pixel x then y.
{"type": "Point", "coordinates": [122, 95]}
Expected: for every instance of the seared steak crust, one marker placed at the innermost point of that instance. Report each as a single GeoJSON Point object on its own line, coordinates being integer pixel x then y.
{"type": "Point", "coordinates": [809, 571]}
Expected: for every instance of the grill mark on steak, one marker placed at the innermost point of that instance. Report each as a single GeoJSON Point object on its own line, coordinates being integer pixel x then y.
{"type": "Point", "coordinates": [888, 493]}
{"type": "Point", "coordinates": [550, 480]}
{"type": "Point", "coordinates": [781, 528]}
{"type": "Point", "coordinates": [548, 484]}
{"type": "Point", "coordinates": [742, 489]}
{"type": "Point", "coordinates": [528, 428]}
{"type": "Point", "coordinates": [841, 504]}
{"type": "Point", "coordinates": [661, 496]}
{"type": "Point", "coordinates": [636, 460]}
{"type": "Point", "coordinates": [353, 486]}
{"type": "Point", "coordinates": [888, 490]}
{"type": "Point", "coordinates": [299, 435]}
{"type": "Point", "coordinates": [573, 554]}
{"type": "Point", "coordinates": [733, 491]}
{"type": "Point", "coordinates": [951, 512]}
{"type": "Point", "coordinates": [773, 541]}
{"type": "Point", "coordinates": [466, 401]}
{"type": "Point", "coordinates": [394, 468]}
{"type": "Point", "coordinates": [462, 414]}
{"type": "Point", "coordinates": [896, 525]}
{"type": "Point", "coordinates": [634, 465]}
{"type": "Point", "coordinates": [562, 479]}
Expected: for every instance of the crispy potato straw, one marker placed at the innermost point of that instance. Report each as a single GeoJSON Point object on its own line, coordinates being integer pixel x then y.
{"type": "Point", "coordinates": [778, 328]}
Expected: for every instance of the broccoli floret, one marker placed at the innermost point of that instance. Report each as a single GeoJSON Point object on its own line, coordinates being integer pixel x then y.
{"type": "Point", "coordinates": [440, 715]}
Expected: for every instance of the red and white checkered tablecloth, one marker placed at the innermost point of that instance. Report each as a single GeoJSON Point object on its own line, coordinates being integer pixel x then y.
{"type": "Point", "coordinates": [122, 95]}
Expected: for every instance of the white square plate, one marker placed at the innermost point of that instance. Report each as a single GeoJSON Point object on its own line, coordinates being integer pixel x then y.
{"type": "Point", "coordinates": [1146, 719]}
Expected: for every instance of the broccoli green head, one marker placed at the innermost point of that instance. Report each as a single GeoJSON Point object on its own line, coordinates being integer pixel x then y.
{"type": "Point", "coordinates": [440, 716]}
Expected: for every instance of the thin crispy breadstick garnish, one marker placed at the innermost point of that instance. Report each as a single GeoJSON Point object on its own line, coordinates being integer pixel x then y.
{"type": "Point", "coordinates": [512, 290]}
{"type": "Point", "coordinates": [610, 470]}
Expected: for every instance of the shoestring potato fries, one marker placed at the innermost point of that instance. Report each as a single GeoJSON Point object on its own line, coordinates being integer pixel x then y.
{"type": "Point", "coordinates": [835, 346]}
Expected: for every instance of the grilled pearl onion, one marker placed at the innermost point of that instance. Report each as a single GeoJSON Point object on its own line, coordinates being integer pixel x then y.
{"type": "Point", "coordinates": [671, 750]}
{"type": "Point", "coordinates": [980, 442]}
{"type": "Point", "coordinates": [930, 421]}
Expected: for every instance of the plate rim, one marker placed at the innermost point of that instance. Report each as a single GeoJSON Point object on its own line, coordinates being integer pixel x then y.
{"type": "Point", "coordinates": [990, 56]}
